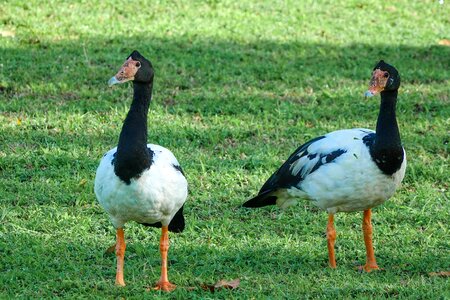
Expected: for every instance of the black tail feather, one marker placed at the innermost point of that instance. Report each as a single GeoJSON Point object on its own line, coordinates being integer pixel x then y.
{"type": "Point", "coordinates": [176, 224]}
{"type": "Point", "coordinates": [263, 199]}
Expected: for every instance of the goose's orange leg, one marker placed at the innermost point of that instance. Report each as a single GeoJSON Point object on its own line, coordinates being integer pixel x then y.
{"type": "Point", "coordinates": [331, 238]}
{"type": "Point", "coordinates": [120, 254]}
{"type": "Point", "coordinates": [371, 263]}
{"type": "Point", "coordinates": [163, 283]}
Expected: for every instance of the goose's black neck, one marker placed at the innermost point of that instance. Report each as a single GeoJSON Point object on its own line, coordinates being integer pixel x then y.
{"type": "Point", "coordinates": [387, 150]}
{"type": "Point", "coordinates": [132, 156]}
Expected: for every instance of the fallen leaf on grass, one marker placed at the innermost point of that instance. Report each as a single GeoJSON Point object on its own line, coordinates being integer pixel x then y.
{"type": "Point", "coordinates": [440, 274]}
{"type": "Point", "coordinates": [222, 284]}
{"type": "Point", "coordinates": [444, 42]}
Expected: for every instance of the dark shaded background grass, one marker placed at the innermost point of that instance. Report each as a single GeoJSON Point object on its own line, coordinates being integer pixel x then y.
{"type": "Point", "coordinates": [238, 87]}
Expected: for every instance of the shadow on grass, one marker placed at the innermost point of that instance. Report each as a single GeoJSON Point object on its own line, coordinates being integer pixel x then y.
{"type": "Point", "coordinates": [206, 77]}
{"type": "Point", "coordinates": [210, 76]}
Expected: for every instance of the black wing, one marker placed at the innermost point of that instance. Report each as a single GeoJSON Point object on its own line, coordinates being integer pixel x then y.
{"type": "Point", "coordinates": [283, 178]}
{"type": "Point", "coordinates": [286, 177]}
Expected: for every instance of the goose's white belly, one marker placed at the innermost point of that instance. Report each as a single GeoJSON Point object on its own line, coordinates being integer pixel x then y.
{"type": "Point", "coordinates": [348, 186]}
{"type": "Point", "coordinates": [154, 197]}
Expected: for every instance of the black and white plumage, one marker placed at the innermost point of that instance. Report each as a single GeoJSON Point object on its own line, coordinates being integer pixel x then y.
{"type": "Point", "coordinates": [152, 197]}
{"type": "Point", "coordinates": [335, 171]}
{"type": "Point", "coordinates": [345, 170]}
{"type": "Point", "coordinates": [137, 181]}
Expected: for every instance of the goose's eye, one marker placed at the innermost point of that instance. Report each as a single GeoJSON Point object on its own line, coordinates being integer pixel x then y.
{"type": "Point", "coordinates": [138, 64]}
{"type": "Point", "coordinates": [386, 74]}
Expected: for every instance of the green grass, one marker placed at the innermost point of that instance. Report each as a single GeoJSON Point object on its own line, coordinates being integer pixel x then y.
{"type": "Point", "coordinates": [238, 87]}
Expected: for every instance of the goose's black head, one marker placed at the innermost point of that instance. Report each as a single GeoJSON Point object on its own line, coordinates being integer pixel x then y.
{"type": "Point", "coordinates": [136, 68]}
{"type": "Point", "coordinates": [384, 78]}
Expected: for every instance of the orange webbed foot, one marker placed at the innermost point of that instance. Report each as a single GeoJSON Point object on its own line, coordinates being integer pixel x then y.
{"type": "Point", "coordinates": [369, 268]}
{"type": "Point", "coordinates": [164, 286]}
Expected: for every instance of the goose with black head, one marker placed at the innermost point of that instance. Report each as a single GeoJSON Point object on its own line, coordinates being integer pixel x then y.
{"type": "Point", "coordinates": [346, 170]}
{"type": "Point", "coordinates": [137, 181]}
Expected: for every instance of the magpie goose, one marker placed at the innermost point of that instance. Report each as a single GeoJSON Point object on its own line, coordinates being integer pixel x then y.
{"type": "Point", "coordinates": [137, 181]}
{"type": "Point", "coordinates": [346, 170]}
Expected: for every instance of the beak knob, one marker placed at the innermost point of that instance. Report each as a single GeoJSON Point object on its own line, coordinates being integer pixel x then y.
{"type": "Point", "coordinates": [368, 94]}
{"type": "Point", "coordinates": [113, 81]}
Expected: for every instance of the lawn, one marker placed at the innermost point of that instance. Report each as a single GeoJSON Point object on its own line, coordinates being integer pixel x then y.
{"type": "Point", "coordinates": [238, 86]}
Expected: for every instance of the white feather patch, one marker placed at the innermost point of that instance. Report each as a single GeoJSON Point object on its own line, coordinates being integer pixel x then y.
{"type": "Point", "coordinates": [154, 197]}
